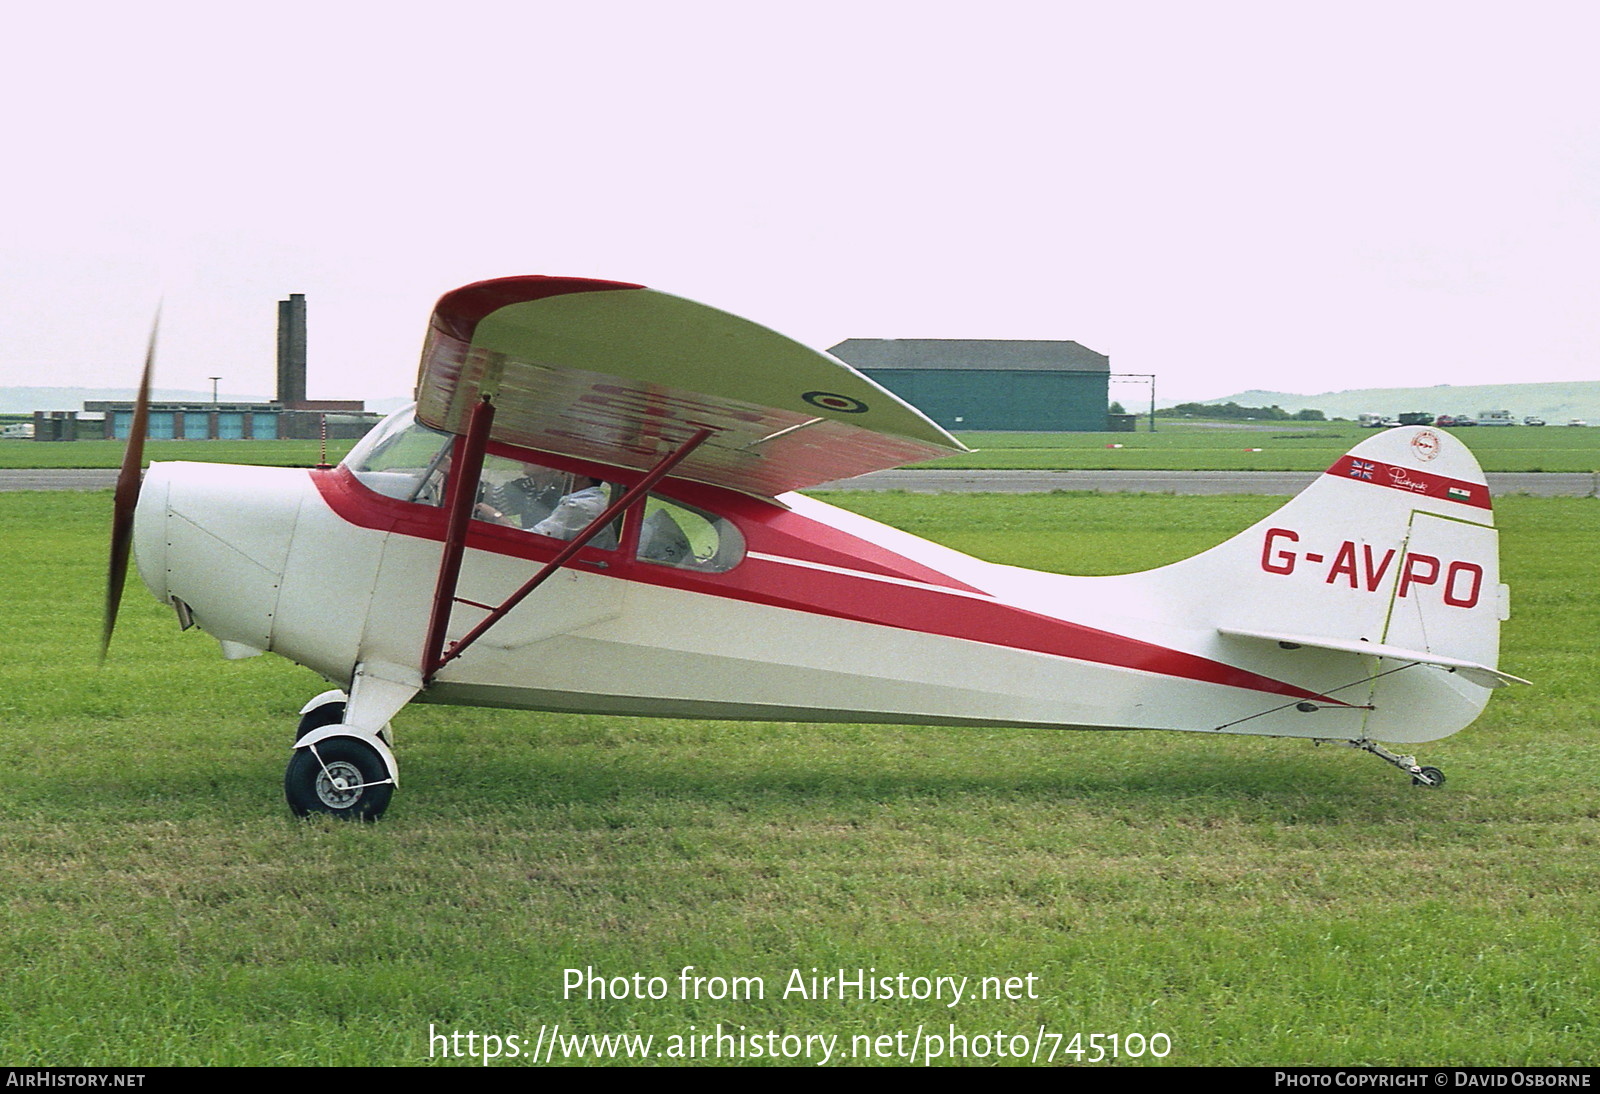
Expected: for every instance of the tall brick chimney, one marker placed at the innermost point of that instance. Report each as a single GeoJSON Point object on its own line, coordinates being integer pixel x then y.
{"type": "Point", "coordinates": [292, 350]}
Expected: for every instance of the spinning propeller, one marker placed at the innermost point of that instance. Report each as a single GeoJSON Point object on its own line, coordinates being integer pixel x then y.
{"type": "Point", "coordinates": [127, 498]}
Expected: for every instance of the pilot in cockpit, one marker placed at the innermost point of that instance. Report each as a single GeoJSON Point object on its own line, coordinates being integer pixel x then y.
{"type": "Point", "coordinates": [576, 511]}
{"type": "Point", "coordinates": [525, 501]}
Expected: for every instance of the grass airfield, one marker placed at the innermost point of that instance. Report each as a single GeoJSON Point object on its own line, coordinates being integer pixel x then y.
{"type": "Point", "coordinates": [1255, 901]}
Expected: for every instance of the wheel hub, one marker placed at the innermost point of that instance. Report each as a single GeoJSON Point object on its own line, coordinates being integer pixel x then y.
{"type": "Point", "coordinates": [339, 784]}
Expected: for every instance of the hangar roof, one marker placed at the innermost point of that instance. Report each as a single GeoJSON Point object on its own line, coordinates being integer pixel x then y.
{"type": "Point", "coordinates": [990, 354]}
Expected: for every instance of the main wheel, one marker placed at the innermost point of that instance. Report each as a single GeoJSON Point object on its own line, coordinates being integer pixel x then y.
{"type": "Point", "coordinates": [328, 714]}
{"type": "Point", "coordinates": [1428, 776]}
{"type": "Point", "coordinates": [341, 776]}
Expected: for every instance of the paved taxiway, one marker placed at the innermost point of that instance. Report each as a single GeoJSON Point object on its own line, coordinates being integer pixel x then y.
{"type": "Point", "coordinates": [940, 481]}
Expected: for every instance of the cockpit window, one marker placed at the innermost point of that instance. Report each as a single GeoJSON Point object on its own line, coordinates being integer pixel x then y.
{"type": "Point", "coordinates": [401, 458]}
{"type": "Point", "coordinates": [404, 459]}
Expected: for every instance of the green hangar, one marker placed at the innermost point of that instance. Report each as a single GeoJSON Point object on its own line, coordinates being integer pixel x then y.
{"type": "Point", "coordinates": [987, 384]}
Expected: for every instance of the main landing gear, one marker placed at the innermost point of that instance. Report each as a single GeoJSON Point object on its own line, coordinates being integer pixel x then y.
{"type": "Point", "coordinates": [338, 769]}
{"type": "Point", "coordinates": [1430, 777]}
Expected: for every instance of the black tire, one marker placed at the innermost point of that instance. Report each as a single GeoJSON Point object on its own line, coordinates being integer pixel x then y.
{"type": "Point", "coordinates": [309, 782]}
{"type": "Point", "coordinates": [1430, 777]}
{"type": "Point", "coordinates": [328, 714]}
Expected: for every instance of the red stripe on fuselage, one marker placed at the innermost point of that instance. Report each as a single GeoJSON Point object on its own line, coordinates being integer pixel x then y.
{"type": "Point", "coordinates": [768, 527]}
{"type": "Point", "coordinates": [913, 598]}
{"type": "Point", "coordinates": [863, 599]}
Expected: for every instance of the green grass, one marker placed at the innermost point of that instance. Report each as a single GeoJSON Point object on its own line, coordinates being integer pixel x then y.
{"type": "Point", "coordinates": [1260, 902]}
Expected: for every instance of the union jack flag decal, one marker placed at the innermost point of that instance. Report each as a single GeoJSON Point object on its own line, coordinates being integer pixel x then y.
{"type": "Point", "coordinates": [1360, 469]}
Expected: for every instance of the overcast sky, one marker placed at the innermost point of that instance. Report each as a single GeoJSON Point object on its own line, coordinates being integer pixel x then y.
{"type": "Point", "coordinates": [1299, 196]}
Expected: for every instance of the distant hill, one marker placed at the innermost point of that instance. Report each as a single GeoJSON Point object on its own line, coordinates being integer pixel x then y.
{"type": "Point", "coordinates": [25, 400]}
{"type": "Point", "coordinates": [1555, 403]}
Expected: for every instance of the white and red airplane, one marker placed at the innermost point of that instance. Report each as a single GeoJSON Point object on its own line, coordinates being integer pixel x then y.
{"type": "Point", "coordinates": [592, 508]}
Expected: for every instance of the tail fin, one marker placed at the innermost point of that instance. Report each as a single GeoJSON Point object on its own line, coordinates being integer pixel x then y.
{"type": "Point", "coordinates": [1379, 585]}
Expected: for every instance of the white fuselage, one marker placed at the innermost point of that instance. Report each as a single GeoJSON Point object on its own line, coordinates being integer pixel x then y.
{"type": "Point", "coordinates": [829, 616]}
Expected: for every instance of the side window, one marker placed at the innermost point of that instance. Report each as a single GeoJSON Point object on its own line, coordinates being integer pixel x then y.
{"type": "Point", "coordinates": [542, 500]}
{"type": "Point", "coordinates": [673, 534]}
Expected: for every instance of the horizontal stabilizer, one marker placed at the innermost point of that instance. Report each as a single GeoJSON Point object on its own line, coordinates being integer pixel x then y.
{"type": "Point", "coordinates": [1482, 675]}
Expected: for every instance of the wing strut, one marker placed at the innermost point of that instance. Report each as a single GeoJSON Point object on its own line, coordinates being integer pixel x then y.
{"type": "Point", "coordinates": [460, 495]}
{"type": "Point", "coordinates": [443, 596]}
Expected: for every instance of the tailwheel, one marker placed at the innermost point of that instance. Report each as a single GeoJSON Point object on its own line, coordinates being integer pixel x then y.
{"type": "Point", "coordinates": [1427, 776]}
{"type": "Point", "coordinates": [1430, 777]}
{"type": "Point", "coordinates": [340, 776]}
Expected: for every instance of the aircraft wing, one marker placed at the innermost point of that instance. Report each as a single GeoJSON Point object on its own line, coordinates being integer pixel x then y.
{"type": "Point", "coordinates": [1482, 675]}
{"type": "Point", "coordinates": [622, 375]}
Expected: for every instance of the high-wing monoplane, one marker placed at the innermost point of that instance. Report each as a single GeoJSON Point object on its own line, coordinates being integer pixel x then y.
{"type": "Point", "coordinates": [593, 507]}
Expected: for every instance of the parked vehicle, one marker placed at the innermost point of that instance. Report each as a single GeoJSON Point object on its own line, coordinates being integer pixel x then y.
{"type": "Point", "coordinates": [1530, 420]}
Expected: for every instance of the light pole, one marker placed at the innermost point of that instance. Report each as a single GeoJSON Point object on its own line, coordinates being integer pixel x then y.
{"type": "Point", "coordinates": [213, 380]}
{"type": "Point", "coordinates": [1145, 378]}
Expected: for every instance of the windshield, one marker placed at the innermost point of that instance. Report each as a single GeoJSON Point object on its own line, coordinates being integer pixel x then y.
{"type": "Point", "coordinates": [401, 458]}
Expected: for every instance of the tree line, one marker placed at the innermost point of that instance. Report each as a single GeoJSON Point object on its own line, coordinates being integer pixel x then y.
{"type": "Point", "coordinates": [1234, 410]}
